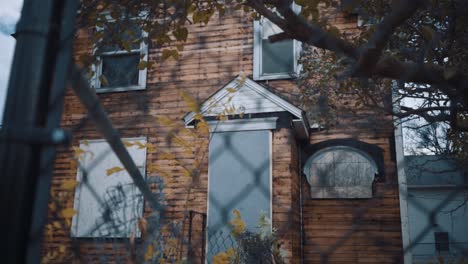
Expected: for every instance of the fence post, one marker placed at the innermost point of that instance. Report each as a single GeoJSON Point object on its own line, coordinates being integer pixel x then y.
{"type": "Point", "coordinates": [33, 90]}
{"type": "Point", "coordinates": [190, 250]}
{"type": "Point", "coordinates": [203, 248]}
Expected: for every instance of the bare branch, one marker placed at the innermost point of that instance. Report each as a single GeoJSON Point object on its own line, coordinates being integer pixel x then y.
{"type": "Point", "coordinates": [298, 28]}
{"type": "Point", "coordinates": [372, 50]}
{"type": "Point", "coordinates": [424, 113]}
{"type": "Point", "coordinates": [453, 84]}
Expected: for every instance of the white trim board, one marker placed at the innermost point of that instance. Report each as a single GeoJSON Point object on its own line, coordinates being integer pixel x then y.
{"type": "Point", "coordinates": [267, 123]}
{"type": "Point", "coordinates": [402, 185]}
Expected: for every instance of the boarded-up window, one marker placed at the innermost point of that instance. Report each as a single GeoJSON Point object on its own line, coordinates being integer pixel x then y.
{"type": "Point", "coordinates": [107, 191]}
{"type": "Point", "coordinates": [239, 179]}
{"type": "Point", "coordinates": [340, 172]}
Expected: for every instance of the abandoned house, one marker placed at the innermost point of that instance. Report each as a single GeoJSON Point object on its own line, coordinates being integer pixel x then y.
{"type": "Point", "coordinates": [330, 194]}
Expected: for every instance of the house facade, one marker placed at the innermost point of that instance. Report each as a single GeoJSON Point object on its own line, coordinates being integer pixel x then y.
{"type": "Point", "coordinates": [331, 194]}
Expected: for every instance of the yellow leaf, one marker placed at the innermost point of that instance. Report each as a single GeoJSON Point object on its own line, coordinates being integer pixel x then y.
{"type": "Point", "coordinates": [52, 207]}
{"type": "Point", "coordinates": [128, 143]}
{"type": "Point", "coordinates": [68, 212]}
{"type": "Point", "coordinates": [203, 127]}
{"type": "Point", "coordinates": [142, 65]}
{"type": "Point", "coordinates": [198, 117]}
{"type": "Point", "coordinates": [78, 151]}
{"type": "Point", "coordinates": [152, 168]}
{"type": "Point", "coordinates": [187, 173]}
{"type": "Point", "coordinates": [237, 224]}
{"type": "Point", "coordinates": [223, 117]}
{"type": "Point", "coordinates": [236, 213]}
{"type": "Point", "coordinates": [69, 185]}
{"type": "Point", "coordinates": [231, 253]}
{"type": "Point", "coordinates": [181, 142]}
{"type": "Point", "coordinates": [166, 54]}
{"type": "Point", "coordinates": [62, 248]}
{"type": "Point", "coordinates": [167, 156]}
{"type": "Point", "coordinates": [191, 102]}
{"type": "Point", "coordinates": [150, 147]}
{"type": "Point", "coordinates": [180, 33]}
{"type": "Point", "coordinates": [113, 170]}
{"type": "Point", "coordinates": [231, 90]}
{"type": "Point", "coordinates": [221, 258]}
{"type": "Point", "coordinates": [56, 224]}
{"type": "Point", "coordinates": [149, 252]}
{"type": "Point", "coordinates": [140, 145]}
{"type": "Point", "coordinates": [85, 142]}
{"type": "Point", "coordinates": [103, 80]}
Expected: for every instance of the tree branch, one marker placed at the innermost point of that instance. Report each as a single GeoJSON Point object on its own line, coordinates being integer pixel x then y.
{"type": "Point", "coordinates": [372, 50]}
{"type": "Point", "coordinates": [298, 28]}
{"type": "Point", "coordinates": [453, 84]}
{"type": "Point", "coordinates": [424, 113]}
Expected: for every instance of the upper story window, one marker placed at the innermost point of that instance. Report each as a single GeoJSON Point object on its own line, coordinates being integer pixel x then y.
{"type": "Point", "coordinates": [276, 60]}
{"type": "Point", "coordinates": [340, 172]}
{"type": "Point", "coordinates": [118, 64]}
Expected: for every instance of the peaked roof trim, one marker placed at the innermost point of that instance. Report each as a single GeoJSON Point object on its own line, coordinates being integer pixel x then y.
{"type": "Point", "coordinates": [236, 83]}
{"type": "Point", "coordinates": [240, 82]}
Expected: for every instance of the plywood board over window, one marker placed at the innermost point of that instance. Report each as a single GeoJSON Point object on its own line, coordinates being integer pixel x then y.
{"type": "Point", "coordinates": [106, 190]}
{"type": "Point", "coordinates": [340, 172]}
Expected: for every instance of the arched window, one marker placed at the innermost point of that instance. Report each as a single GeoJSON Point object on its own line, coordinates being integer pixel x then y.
{"type": "Point", "coordinates": [340, 172]}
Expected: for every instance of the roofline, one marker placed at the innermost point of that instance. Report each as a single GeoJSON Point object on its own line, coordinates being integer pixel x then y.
{"type": "Point", "coordinates": [298, 113]}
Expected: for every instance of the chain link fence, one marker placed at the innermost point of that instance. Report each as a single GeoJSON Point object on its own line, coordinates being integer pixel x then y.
{"type": "Point", "coordinates": [122, 233]}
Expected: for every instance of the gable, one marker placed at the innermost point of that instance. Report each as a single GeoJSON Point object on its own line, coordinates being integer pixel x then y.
{"type": "Point", "coordinates": [246, 100]}
{"type": "Point", "coordinates": [242, 97]}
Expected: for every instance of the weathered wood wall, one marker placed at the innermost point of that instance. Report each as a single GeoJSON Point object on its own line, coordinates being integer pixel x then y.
{"type": "Point", "coordinates": [214, 54]}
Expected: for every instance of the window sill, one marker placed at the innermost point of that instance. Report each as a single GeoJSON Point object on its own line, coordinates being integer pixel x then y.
{"type": "Point", "coordinates": [120, 89]}
{"type": "Point", "coordinates": [280, 76]}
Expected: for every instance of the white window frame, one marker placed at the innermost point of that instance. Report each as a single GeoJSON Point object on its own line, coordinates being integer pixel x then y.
{"type": "Point", "coordinates": [257, 53]}
{"type": "Point", "coordinates": [78, 197]}
{"type": "Point", "coordinates": [142, 74]}
{"type": "Point", "coordinates": [231, 126]}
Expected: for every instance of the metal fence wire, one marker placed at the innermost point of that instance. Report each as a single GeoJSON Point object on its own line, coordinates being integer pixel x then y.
{"type": "Point", "coordinates": [178, 233]}
{"type": "Point", "coordinates": [168, 241]}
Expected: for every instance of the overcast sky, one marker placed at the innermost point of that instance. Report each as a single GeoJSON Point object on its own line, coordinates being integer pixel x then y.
{"type": "Point", "coordinates": [9, 14]}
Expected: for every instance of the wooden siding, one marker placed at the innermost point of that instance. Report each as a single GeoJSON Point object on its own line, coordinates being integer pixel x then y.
{"type": "Point", "coordinates": [351, 231]}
